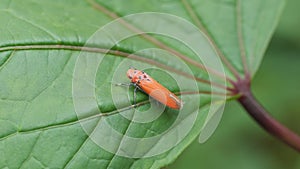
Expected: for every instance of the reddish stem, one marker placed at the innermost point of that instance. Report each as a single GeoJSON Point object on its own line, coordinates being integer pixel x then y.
{"type": "Point", "coordinates": [262, 117]}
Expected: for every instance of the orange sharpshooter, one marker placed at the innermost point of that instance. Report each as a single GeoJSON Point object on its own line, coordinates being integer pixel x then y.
{"type": "Point", "coordinates": [147, 84]}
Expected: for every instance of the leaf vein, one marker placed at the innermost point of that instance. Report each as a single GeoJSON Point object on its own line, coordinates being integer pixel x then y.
{"type": "Point", "coordinates": [55, 37]}
{"type": "Point", "coordinates": [197, 20]}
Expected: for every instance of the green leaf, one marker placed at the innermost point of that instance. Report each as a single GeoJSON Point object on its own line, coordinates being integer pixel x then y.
{"type": "Point", "coordinates": [59, 61]}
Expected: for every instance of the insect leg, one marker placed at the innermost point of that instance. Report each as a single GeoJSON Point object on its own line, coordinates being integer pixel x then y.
{"type": "Point", "coordinates": [136, 87]}
{"type": "Point", "coordinates": [123, 84]}
{"type": "Point", "coordinates": [134, 95]}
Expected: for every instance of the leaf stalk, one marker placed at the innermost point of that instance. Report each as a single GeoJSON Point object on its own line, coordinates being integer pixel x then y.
{"type": "Point", "coordinates": [262, 117]}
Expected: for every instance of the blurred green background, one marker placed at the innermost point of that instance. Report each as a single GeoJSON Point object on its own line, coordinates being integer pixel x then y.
{"type": "Point", "coordinates": [239, 143]}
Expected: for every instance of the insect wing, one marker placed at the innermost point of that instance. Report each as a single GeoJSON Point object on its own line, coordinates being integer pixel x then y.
{"type": "Point", "coordinates": [160, 93]}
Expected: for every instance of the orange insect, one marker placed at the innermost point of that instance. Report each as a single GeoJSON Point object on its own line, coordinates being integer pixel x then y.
{"type": "Point", "coordinates": [148, 85]}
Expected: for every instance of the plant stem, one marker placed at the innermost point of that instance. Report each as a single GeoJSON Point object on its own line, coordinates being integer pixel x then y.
{"type": "Point", "coordinates": [262, 117]}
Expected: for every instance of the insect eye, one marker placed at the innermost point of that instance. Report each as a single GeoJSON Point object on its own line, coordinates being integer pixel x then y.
{"type": "Point", "coordinates": [130, 77]}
